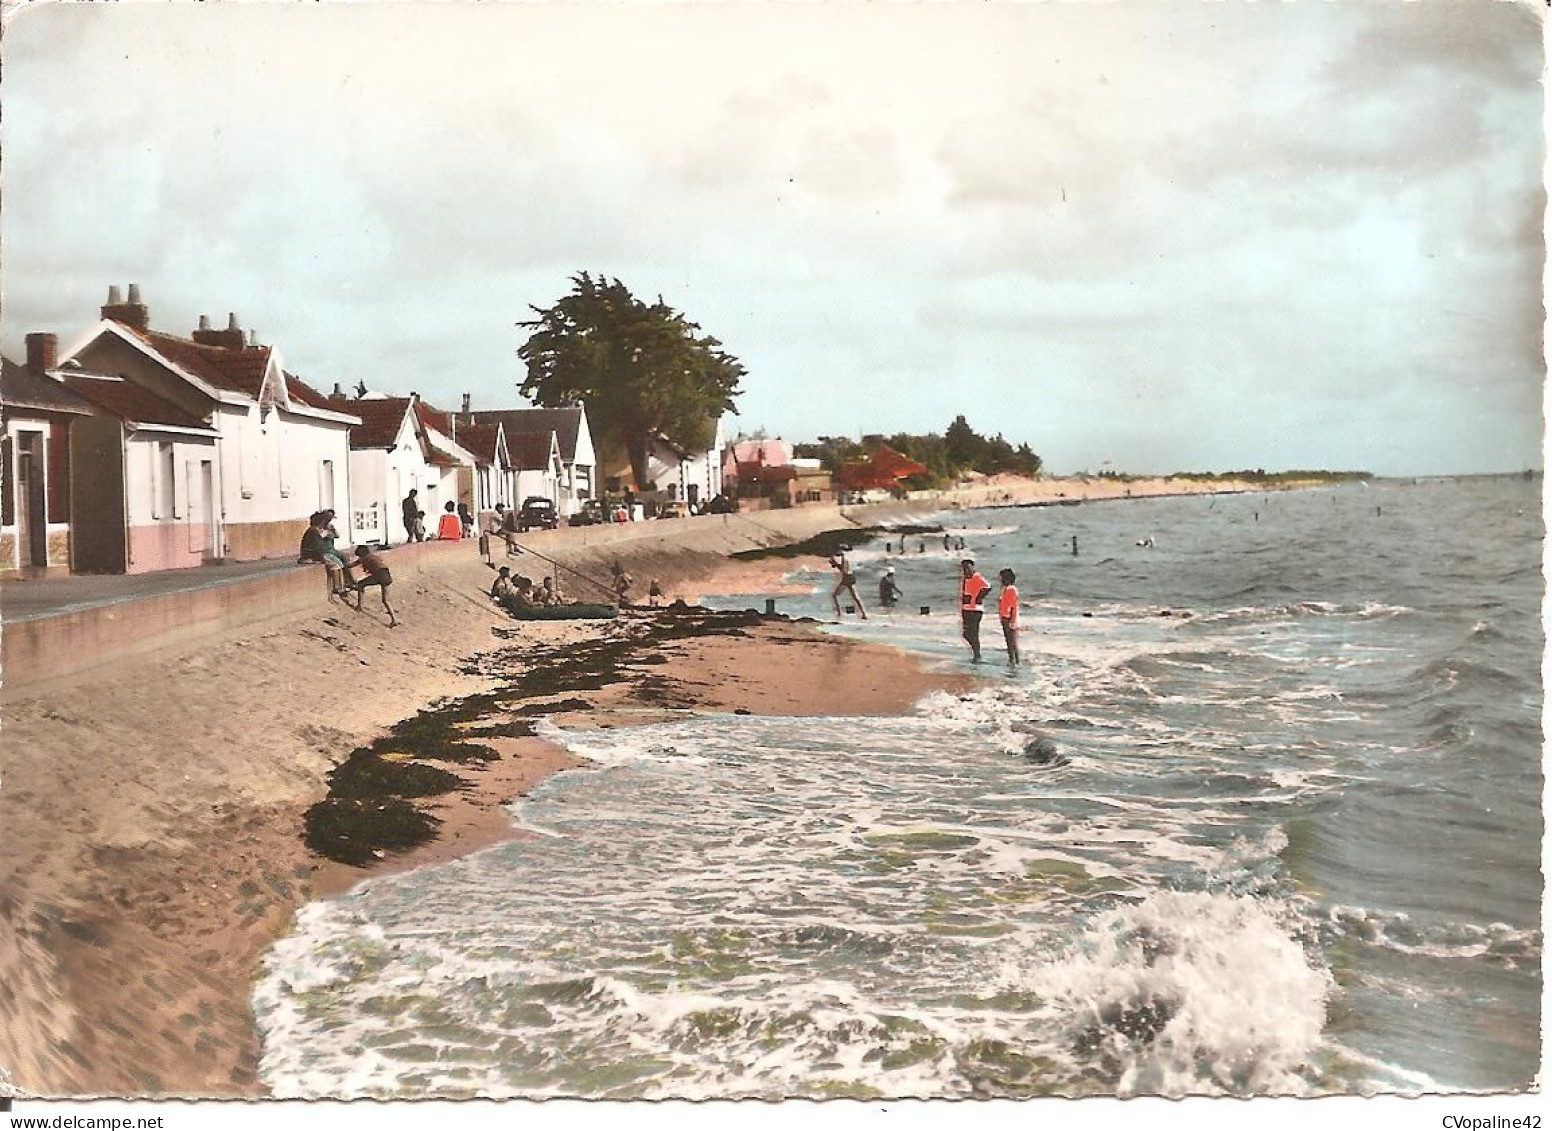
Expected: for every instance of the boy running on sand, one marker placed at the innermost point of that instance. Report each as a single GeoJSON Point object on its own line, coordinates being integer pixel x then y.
{"type": "Point", "coordinates": [376, 574]}
{"type": "Point", "coordinates": [848, 582]}
{"type": "Point", "coordinates": [1007, 612]}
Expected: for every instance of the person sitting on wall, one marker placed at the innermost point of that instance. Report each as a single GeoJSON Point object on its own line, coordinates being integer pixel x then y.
{"type": "Point", "coordinates": [449, 528]}
{"type": "Point", "coordinates": [548, 595]}
{"type": "Point", "coordinates": [340, 578]}
{"type": "Point", "coordinates": [311, 549]}
{"type": "Point", "coordinates": [510, 531]}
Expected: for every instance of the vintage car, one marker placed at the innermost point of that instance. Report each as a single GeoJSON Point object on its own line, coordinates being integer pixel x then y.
{"type": "Point", "coordinates": [537, 513]}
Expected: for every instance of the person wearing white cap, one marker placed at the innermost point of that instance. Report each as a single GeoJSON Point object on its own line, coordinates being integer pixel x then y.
{"type": "Point", "coordinates": [888, 592]}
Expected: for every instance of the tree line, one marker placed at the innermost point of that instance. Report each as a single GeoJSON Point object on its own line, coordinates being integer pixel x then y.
{"type": "Point", "coordinates": [948, 456]}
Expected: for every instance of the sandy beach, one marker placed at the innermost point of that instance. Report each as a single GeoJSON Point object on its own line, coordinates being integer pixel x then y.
{"type": "Point", "coordinates": [155, 808]}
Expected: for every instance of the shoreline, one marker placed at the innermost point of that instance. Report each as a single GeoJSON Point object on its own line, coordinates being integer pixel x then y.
{"type": "Point", "coordinates": [160, 801]}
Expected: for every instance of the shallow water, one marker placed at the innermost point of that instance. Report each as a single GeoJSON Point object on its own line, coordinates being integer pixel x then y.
{"type": "Point", "coordinates": [1293, 848]}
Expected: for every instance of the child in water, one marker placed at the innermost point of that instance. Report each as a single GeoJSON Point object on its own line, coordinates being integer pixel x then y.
{"type": "Point", "coordinates": [1007, 612]}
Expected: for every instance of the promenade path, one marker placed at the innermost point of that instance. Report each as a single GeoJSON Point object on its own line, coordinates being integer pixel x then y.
{"type": "Point", "coordinates": [47, 597]}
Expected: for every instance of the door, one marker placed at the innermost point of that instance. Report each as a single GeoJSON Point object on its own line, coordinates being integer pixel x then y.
{"type": "Point", "coordinates": [32, 513]}
{"type": "Point", "coordinates": [207, 512]}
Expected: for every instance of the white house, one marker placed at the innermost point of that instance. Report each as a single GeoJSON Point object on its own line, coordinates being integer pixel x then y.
{"type": "Point", "coordinates": [578, 479]}
{"type": "Point", "coordinates": [279, 452]}
{"type": "Point", "coordinates": [674, 473]}
{"type": "Point", "coordinates": [399, 446]}
{"type": "Point", "coordinates": [537, 464]}
{"type": "Point", "coordinates": [494, 477]}
{"type": "Point", "coordinates": [691, 477]}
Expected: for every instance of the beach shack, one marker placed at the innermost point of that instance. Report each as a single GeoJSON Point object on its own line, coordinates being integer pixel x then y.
{"type": "Point", "coordinates": [278, 454]}
{"type": "Point", "coordinates": [35, 462]}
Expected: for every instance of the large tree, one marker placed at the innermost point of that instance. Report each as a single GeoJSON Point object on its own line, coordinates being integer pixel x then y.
{"type": "Point", "coordinates": [641, 369]}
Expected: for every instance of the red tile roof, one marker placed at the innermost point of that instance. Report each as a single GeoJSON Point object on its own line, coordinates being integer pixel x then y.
{"type": "Point", "coordinates": [236, 370]}
{"type": "Point", "coordinates": [479, 439]}
{"type": "Point", "coordinates": [771, 453]}
{"type": "Point", "coordinates": [884, 468]}
{"type": "Point", "coordinates": [566, 423]}
{"type": "Point", "coordinates": [434, 418]}
{"type": "Point", "coordinates": [530, 451]}
{"type": "Point", "coordinates": [303, 393]}
{"type": "Point", "coordinates": [130, 402]}
{"type": "Point", "coordinates": [380, 419]}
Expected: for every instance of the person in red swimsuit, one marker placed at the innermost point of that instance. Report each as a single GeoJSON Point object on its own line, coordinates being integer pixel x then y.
{"type": "Point", "coordinates": [1007, 612]}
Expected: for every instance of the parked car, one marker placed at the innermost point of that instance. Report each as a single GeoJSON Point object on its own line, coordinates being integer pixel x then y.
{"type": "Point", "coordinates": [671, 510]}
{"type": "Point", "coordinates": [591, 514]}
{"type": "Point", "coordinates": [537, 512]}
{"type": "Point", "coordinates": [721, 504]}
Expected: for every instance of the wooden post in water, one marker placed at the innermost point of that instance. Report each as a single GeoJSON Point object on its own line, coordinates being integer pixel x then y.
{"type": "Point", "coordinates": [1074, 545]}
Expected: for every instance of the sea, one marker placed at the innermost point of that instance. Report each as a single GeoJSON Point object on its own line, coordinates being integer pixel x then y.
{"type": "Point", "coordinates": [1259, 814]}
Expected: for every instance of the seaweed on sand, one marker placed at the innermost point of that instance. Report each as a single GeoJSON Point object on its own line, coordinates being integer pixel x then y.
{"type": "Point", "coordinates": [369, 811]}
{"type": "Point", "coordinates": [359, 830]}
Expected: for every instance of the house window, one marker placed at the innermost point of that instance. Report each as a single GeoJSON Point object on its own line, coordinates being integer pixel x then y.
{"type": "Point", "coordinates": [162, 480]}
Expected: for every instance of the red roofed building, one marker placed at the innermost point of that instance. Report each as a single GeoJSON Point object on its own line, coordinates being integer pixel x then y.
{"type": "Point", "coordinates": [884, 469]}
{"type": "Point", "coordinates": [759, 469]}
{"type": "Point", "coordinates": [202, 448]}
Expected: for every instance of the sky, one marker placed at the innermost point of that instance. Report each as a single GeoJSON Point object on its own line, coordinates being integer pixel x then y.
{"type": "Point", "coordinates": [1138, 236]}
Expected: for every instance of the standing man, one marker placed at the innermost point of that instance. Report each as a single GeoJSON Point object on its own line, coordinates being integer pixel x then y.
{"type": "Point", "coordinates": [411, 510]}
{"type": "Point", "coordinates": [972, 591]}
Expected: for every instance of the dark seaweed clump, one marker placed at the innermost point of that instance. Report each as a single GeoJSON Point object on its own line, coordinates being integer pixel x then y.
{"type": "Point", "coordinates": [358, 830]}
{"type": "Point", "coordinates": [819, 546]}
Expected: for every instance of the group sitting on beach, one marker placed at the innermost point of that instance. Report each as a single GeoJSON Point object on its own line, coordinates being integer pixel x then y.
{"type": "Point", "coordinates": [521, 592]}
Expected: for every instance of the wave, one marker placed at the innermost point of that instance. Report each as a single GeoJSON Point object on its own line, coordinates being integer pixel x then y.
{"type": "Point", "coordinates": [1191, 993]}
{"type": "Point", "coordinates": [1498, 943]}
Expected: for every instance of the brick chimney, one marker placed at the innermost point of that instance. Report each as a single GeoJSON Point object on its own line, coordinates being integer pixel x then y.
{"type": "Point", "coordinates": [131, 313]}
{"type": "Point", "coordinates": [42, 352]}
{"type": "Point", "coordinates": [231, 338]}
